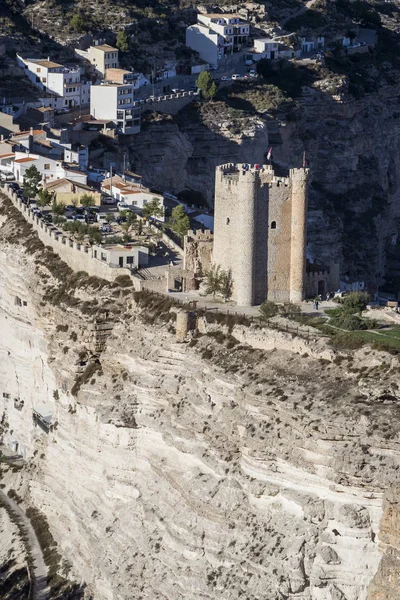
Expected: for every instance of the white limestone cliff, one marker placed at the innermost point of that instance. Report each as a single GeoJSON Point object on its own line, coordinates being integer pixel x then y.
{"type": "Point", "coordinates": [203, 470]}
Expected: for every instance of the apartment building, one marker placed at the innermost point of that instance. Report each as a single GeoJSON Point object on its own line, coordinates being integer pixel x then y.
{"type": "Point", "coordinates": [231, 27]}
{"type": "Point", "coordinates": [115, 102]}
{"type": "Point", "coordinates": [103, 57]}
{"type": "Point", "coordinates": [215, 35]}
{"type": "Point", "coordinates": [64, 82]}
{"type": "Point", "coordinates": [137, 80]}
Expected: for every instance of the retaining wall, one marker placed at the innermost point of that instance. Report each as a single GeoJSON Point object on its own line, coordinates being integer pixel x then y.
{"type": "Point", "coordinates": [78, 256]}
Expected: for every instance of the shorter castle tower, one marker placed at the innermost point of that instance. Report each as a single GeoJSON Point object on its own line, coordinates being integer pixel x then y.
{"type": "Point", "coordinates": [260, 232]}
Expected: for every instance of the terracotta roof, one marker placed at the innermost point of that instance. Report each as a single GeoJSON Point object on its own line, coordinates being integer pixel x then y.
{"type": "Point", "coordinates": [35, 132]}
{"type": "Point", "coordinates": [58, 182]}
{"type": "Point", "coordinates": [69, 170]}
{"type": "Point", "coordinates": [9, 155]}
{"type": "Point", "coordinates": [23, 160]}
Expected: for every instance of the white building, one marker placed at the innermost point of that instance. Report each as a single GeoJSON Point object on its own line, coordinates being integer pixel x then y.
{"type": "Point", "coordinates": [101, 57]}
{"type": "Point", "coordinates": [231, 27]}
{"type": "Point", "coordinates": [268, 47]}
{"type": "Point", "coordinates": [49, 168]}
{"type": "Point", "coordinates": [64, 82]}
{"type": "Point", "coordinates": [216, 34]}
{"type": "Point", "coordinates": [114, 102]}
{"type": "Point", "coordinates": [206, 42]}
{"type": "Point", "coordinates": [131, 257]}
{"type": "Point", "coordinates": [132, 194]}
{"type": "Point", "coordinates": [137, 80]}
{"type": "Point", "coordinates": [309, 44]}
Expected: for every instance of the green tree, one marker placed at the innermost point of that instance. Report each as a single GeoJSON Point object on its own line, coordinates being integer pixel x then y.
{"type": "Point", "coordinates": [75, 201]}
{"type": "Point", "coordinates": [32, 181]}
{"type": "Point", "coordinates": [95, 236]}
{"type": "Point", "coordinates": [355, 302]}
{"type": "Point", "coordinates": [214, 280]}
{"type": "Point", "coordinates": [77, 23]}
{"type": "Point", "coordinates": [227, 284]}
{"type": "Point", "coordinates": [269, 309]}
{"type": "Point", "coordinates": [153, 209]}
{"type": "Point", "coordinates": [58, 209]}
{"type": "Point", "coordinates": [109, 218]}
{"type": "Point", "coordinates": [127, 226]}
{"type": "Point", "coordinates": [87, 200]}
{"type": "Point", "coordinates": [207, 85]}
{"type": "Point", "coordinates": [179, 222]}
{"type": "Point", "coordinates": [122, 42]}
{"type": "Point", "coordinates": [44, 198]}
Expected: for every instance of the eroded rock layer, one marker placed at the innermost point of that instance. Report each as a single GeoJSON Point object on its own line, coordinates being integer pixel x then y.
{"type": "Point", "coordinates": [202, 470]}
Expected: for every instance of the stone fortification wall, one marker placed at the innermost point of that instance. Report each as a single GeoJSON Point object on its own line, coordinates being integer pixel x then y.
{"type": "Point", "coordinates": [261, 232]}
{"type": "Point", "coordinates": [170, 104]}
{"type": "Point", "coordinates": [77, 256]}
{"type": "Point", "coordinates": [197, 256]}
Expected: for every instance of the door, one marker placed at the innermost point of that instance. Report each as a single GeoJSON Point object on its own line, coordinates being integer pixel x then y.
{"type": "Point", "coordinates": [321, 288]}
{"type": "Point", "coordinates": [121, 261]}
{"type": "Point", "coordinates": [272, 54]}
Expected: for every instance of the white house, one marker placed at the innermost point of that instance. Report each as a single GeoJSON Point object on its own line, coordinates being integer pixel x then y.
{"type": "Point", "coordinates": [101, 57]}
{"type": "Point", "coordinates": [117, 255]}
{"type": "Point", "coordinates": [137, 80]}
{"type": "Point", "coordinates": [231, 27]}
{"type": "Point", "coordinates": [132, 194]}
{"type": "Point", "coordinates": [266, 46]}
{"type": "Point", "coordinates": [216, 34]}
{"type": "Point", "coordinates": [52, 77]}
{"type": "Point", "coordinates": [49, 168]}
{"type": "Point", "coordinates": [115, 102]}
{"type": "Point", "coordinates": [308, 44]}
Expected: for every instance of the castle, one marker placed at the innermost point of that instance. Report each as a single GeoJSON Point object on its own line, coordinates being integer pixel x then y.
{"type": "Point", "coordinates": [260, 232]}
{"type": "Point", "coordinates": [260, 236]}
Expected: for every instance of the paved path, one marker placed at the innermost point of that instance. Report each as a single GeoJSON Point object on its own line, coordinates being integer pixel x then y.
{"type": "Point", "coordinates": [249, 311]}
{"type": "Point", "coordinates": [41, 591]}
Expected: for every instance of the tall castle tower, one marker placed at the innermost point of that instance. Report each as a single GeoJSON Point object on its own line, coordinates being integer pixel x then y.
{"type": "Point", "coordinates": [260, 232]}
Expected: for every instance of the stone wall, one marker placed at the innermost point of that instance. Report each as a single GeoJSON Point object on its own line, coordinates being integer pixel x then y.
{"type": "Point", "coordinates": [77, 255]}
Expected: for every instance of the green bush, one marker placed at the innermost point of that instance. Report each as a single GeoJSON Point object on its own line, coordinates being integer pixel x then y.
{"type": "Point", "coordinates": [269, 309]}
{"type": "Point", "coordinates": [348, 322]}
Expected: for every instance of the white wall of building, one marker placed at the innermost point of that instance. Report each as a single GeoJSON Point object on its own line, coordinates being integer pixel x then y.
{"type": "Point", "coordinates": [49, 168]}
{"type": "Point", "coordinates": [205, 42]}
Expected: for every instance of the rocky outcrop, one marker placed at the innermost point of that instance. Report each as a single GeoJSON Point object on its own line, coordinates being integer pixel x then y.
{"type": "Point", "coordinates": [208, 469]}
{"type": "Point", "coordinates": [352, 149]}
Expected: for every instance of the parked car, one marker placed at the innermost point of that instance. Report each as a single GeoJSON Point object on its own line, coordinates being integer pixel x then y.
{"type": "Point", "coordinates": [108, 200]}
{"type": "Point", "coordinates": [252, 73]}
{"type": "Point", "coordinates": [14, 186]}
{"type": "Point", "coordinates": [62, 111]}
{"type": "Point", "coordinates": [236, 76]}
{"type": "Point", "coordinates": [48, 217]}
{"type": "Point", "coordinates": [7, 177]}
{"type": "Point", "coordinates": [122, 206]}
{"type": "Point", "coordinates": [101, 218]}
{"type": "Point", "coordinates": [80, 218]}
{"type": "Point", "coordinates": [225, 78]}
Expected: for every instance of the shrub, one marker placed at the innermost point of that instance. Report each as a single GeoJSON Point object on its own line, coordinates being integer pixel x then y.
{"type": "Point", "coordinates": [348, 322]}
{"type": "Point", "coordinates": [269, 309]}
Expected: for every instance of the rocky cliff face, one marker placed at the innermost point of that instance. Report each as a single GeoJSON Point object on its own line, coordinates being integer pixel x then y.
{"type": "Point", "coordinates": [352, 149]}
{"type": "Point", "coordinates": [200, 470]}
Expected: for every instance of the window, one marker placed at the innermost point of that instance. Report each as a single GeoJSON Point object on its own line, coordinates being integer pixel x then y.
{"type": "Point", "coordinates": [130, 260]}
{"type": "Point", "coordinates": [273, 225]}
{"type": "Point", "coordinates": [103, 257]}
{"type": "Point", "coordinates": [38, 70]}
{"type": "Point", "coordinates": [95, 253]}
{"type": "Point", "coordinates": [47, 166]}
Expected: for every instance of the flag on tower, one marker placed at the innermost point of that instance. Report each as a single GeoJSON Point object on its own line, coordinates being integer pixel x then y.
{"type": "Point", "coordinates": [304, 159]}
{"type": "Point", "coordinates": [269, 155]}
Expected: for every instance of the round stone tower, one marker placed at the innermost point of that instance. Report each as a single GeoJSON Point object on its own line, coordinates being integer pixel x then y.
{"type": "Point", "coordinates": [240, 204]}
{"type": "Point", "coordinates": [299, 183]}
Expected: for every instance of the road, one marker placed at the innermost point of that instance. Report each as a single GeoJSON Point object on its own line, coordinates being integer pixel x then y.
{"type": "Point", "coordinates": [41, 591]}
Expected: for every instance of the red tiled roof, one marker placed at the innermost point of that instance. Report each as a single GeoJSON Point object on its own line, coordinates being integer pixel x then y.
{"type": "Point", "coordinates": [22, 160]}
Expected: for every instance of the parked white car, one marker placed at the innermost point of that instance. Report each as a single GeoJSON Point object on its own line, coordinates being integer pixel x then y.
{"type": "Point", "coordinates": [252, 73]}
{"type": "Point", "coordinates": [122, 206]}
{"type": "Point", "coordinates": [236, 76]}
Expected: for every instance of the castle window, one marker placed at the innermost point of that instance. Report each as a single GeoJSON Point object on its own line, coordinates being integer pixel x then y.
{"type": "Point", "coordinates": [228, 220]}
{"type": "Point", "coordinates": [273, 224]}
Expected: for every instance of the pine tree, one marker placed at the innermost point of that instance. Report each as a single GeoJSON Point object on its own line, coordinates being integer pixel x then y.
{"type": "Point", "coordinates": [32, 181]}
{"type": "Point", "coordinates": [122, 42]}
